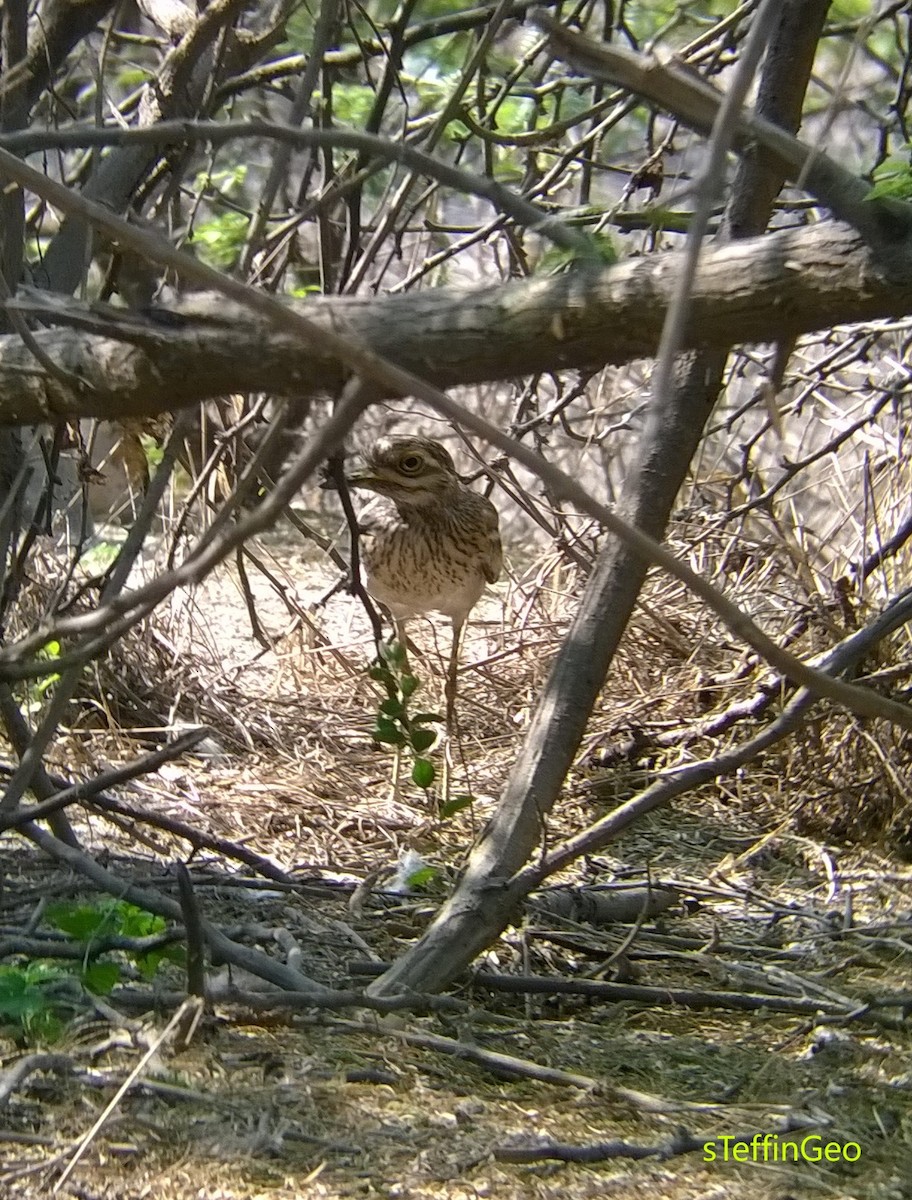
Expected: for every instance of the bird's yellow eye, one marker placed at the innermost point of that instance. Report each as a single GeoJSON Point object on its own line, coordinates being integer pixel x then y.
{"type": "Point", "coordinates": [411, 464]}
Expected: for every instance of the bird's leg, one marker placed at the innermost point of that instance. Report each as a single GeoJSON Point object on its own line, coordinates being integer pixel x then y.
{"type": "Point", "coordinates": [401, 638]}
{"type": "Point", "coordinates": [450, 695]}
{"type": "Point", "coordinates": [450, 689]}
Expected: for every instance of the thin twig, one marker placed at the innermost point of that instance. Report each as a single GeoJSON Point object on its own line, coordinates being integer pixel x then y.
{"type": "Point", "coordinates": [77, 792]}
{"type": "Point", "coordinates": [193, 1004]}
{"type": "Point", "coordinates": [196, 941]}
{"type": "Point", "coordinates": [14, 1076]}
{"type": "Point", "coordinates": [221, 947]}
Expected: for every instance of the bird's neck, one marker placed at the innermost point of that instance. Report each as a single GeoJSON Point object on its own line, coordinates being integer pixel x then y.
{"type": "Point", "coordinates": [414, 512]}
{"type": "Point", "coordinates": [424, 505]}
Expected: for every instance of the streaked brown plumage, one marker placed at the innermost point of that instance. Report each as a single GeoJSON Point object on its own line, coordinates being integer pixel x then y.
{"type": "Point", "coordinates": [429, 544]}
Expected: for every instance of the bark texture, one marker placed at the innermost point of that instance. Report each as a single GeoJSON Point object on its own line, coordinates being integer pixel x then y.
{"type": "Point", "coordinates": [137, 364]}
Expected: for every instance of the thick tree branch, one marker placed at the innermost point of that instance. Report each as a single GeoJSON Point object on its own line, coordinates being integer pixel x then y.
{"type": "Point", "coordinates": [62, 24]}
{"type": "Point", "coordinates": [756, 290]}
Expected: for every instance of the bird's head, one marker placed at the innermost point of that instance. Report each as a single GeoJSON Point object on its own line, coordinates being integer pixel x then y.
{"type": "Point", "coordinates": [410, 471]}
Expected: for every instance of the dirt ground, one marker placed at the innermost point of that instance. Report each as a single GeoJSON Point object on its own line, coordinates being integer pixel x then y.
{"type": "Point", "coordinates": [282, 1103]}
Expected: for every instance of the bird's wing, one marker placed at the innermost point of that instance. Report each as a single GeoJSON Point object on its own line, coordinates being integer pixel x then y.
{"type": "Point", "coordinates": [492, 555]}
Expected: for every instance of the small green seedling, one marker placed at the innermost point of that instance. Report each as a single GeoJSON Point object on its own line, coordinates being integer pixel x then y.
{"type": "Point", "coordinates": [395, 724]}
{"type": "Point", "coordinates": [38, 996]}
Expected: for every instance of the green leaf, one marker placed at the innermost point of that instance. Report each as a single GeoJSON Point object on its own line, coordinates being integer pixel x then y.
{"type": "Point", "coordinates": [100, 556]}
{"type": "Point", "coordinates": [136, 922]}
{"type": "Point", "coordinates": [605, 248]}
{"type": "Point", "coordinates": [88, 921]}
{"type": "Point", "coordinates": [555, 259]}
{"type": "Point", "coordinates": [893, 178]}
{"type": "Point", "coordinates": [80, 921]}
{"type": "Point", "coordinates": [43, 1026]}
{"type": "Point", "coordinates": [388, 734]}
{"type": "Point", "coordinates": [18, 997]}
{"type": "Point", "coordinates": [352, 103]}
{"type": "Point", "coordinates": [424, 718]}
{"type": "Point", "coordinates": [893, 187]}
{"type": "Point", "coordinates": [147, 964]}
{"type": "Point", "coordinates": [130, 78]}
{"type": "Point", "coordinates": [392, 707]}
{"type": "Point", "coordinates": [101, 978]}
{"type": "Point", "coordinates": [218, 241]}
{"type": "Point", "coordinates": [408, 685]}
{"type": "Point", "coordinates": [452, 807]}
{"type": "Point", "coordinates": [422, 877]}
{"type": "Point", "coordinates": [394, 653]}
{"type": "Point", "coordinates": [422, 739]}
{"type": "Point", "coordinates": [423, 773]}
{"type": "Point", "coordinates": [298, 30]}
{"type": "Point", "coordinates": [380, 674]}
{"type": "Point", "coordinates": [24, 1001]}
{"type": "Point", "coordinates": [153, 451]}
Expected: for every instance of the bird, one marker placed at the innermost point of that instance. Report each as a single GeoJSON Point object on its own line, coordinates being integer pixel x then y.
{"type": "Point", "coordinates": [429, 543]}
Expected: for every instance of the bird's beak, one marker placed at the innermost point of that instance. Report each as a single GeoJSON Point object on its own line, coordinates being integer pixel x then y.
{"type": "Point", "coordinates": [361, 478]}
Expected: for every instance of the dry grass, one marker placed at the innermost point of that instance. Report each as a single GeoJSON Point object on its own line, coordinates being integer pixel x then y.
{"type": "Point", "coordinates": [768, 864]}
